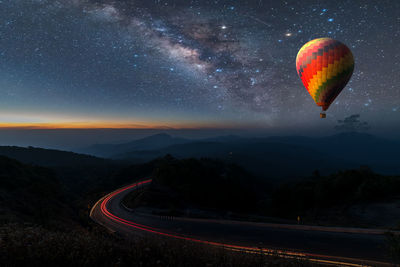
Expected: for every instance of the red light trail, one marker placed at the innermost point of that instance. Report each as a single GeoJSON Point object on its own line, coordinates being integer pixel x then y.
{"type": "Point", "coordinates": [322, 259]}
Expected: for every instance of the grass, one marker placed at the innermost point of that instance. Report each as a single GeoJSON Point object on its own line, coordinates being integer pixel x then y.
{"type": "Point", "coordinates": [24, 245]}
{"type": "Point", "coordinates": [393, 247]}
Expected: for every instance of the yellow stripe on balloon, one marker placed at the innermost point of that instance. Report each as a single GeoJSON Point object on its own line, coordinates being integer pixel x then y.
{"type": "Point", "coordinates": [332, 70]}
{"type": "Point", "coordinates": [310, 44]}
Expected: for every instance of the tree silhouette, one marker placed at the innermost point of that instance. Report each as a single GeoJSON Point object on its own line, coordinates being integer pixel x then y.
{"type": "Point", "coordinates": [352, 124]}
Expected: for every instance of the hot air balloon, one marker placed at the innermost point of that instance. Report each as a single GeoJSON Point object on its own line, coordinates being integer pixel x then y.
{"type": "Point", "coordinates": [325, 66]}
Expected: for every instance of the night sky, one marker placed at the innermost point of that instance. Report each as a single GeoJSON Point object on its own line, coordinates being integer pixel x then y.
{"type": "Point", "coordinates": [191, 64]}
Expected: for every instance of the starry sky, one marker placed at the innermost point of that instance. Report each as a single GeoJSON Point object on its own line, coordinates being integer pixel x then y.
{"type": "Point", "coordinates": [191, 64]}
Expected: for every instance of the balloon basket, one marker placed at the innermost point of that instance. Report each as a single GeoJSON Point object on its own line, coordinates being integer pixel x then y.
{"type": "Point", "coordinates": [322, 115]}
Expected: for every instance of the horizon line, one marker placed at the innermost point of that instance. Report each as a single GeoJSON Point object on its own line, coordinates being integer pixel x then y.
{"type": "Point", "coordinates": [117, 126]}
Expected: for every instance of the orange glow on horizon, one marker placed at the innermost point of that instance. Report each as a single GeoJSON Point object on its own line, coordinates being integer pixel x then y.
{"type": "Point", "coordinates": [113, 125]}
{"type": "Point", "coordinates": [77, 125]}
{"type": "Point", "coordinates": [37, 120]}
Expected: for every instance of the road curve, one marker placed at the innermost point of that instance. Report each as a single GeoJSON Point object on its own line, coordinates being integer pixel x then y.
{"type": "Point", "coordinates": [350, 247]}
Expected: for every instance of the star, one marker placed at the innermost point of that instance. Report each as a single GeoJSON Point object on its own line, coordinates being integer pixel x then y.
{"type": "Point", "coordinates": [145, 58]}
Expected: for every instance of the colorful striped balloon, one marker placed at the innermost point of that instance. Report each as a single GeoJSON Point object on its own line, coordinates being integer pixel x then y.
{"type": "Point", "coordinates": [325, 66]}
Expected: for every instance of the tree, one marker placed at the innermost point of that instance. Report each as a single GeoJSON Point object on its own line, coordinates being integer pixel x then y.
{"type": "Point", "coordinates": [393, 246]}
{"type": "Point", "coordinates": [352, 124]}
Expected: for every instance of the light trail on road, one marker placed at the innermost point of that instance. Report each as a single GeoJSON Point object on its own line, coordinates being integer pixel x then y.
{"type": "Point", "coordinates": [316, 258]}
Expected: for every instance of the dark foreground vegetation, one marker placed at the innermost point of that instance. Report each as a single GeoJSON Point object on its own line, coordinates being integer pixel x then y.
{"type": "Point", "coordinates": [43, 222]}
{"type": "Point", "coordinates": [44, 211]}
{"type": "Point", "coordinates": [357, 198]}
{"type": "Point", "coordinates": [393, 247]}
{"type": "Point", "coordinates": [37, 246]}
{"type": "Point", "coordinates": [198, 183]}
{"type": "Point", "coordinates": [336, 199]}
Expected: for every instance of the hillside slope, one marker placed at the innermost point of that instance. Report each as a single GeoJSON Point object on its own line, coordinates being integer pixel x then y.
{"type": "Point", "coordinates": [30, 193]}
{"type": "Point", "coordinates": [48, 157]}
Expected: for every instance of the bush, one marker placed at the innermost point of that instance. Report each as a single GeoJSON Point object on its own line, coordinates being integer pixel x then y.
{"type": "Point", "coordinates": [36, 246]}
{"type": "Point", "coordinates": [341, 189]}
{"type": "Point", "coordinates": [208, 183]}
{"type": "Point", "coordinates": [393, 246]}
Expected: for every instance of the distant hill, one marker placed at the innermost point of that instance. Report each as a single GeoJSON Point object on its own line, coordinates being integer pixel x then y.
{"type": "Point", "coordinates": [148, 143]}
{"type": "Point", "coordinates": [223, 138]}
{"type": "Point", "coordinates": [267, 159]}
{"type": "Point", "coordinates": [287, 156]}
{"type": "Point", "coordinates": [49, 157]}
{"type": "Point", "coordinates": [381, 154]}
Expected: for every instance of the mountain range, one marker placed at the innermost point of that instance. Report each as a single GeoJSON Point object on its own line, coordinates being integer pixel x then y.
{"type": "Point", "coordinates": [275, 157]}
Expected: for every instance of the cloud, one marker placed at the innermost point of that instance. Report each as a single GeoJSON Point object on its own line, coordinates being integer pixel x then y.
{"type": "Point", "coordinates": [105, 12]}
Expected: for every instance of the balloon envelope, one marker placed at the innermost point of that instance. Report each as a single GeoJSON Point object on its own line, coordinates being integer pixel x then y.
{"type": "Point", "coordinates": [325, 66]}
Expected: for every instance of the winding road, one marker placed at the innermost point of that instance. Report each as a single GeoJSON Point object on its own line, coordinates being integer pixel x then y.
{"type": "Point", "coordinates": [324, 245]}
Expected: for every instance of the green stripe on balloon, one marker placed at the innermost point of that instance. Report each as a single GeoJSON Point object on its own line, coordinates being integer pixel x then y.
{"type": "Point", "coordinates": [323, 87]}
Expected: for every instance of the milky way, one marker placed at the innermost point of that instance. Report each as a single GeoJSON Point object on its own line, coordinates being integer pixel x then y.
{"type": "Point", "coordinates": [218, 61]}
